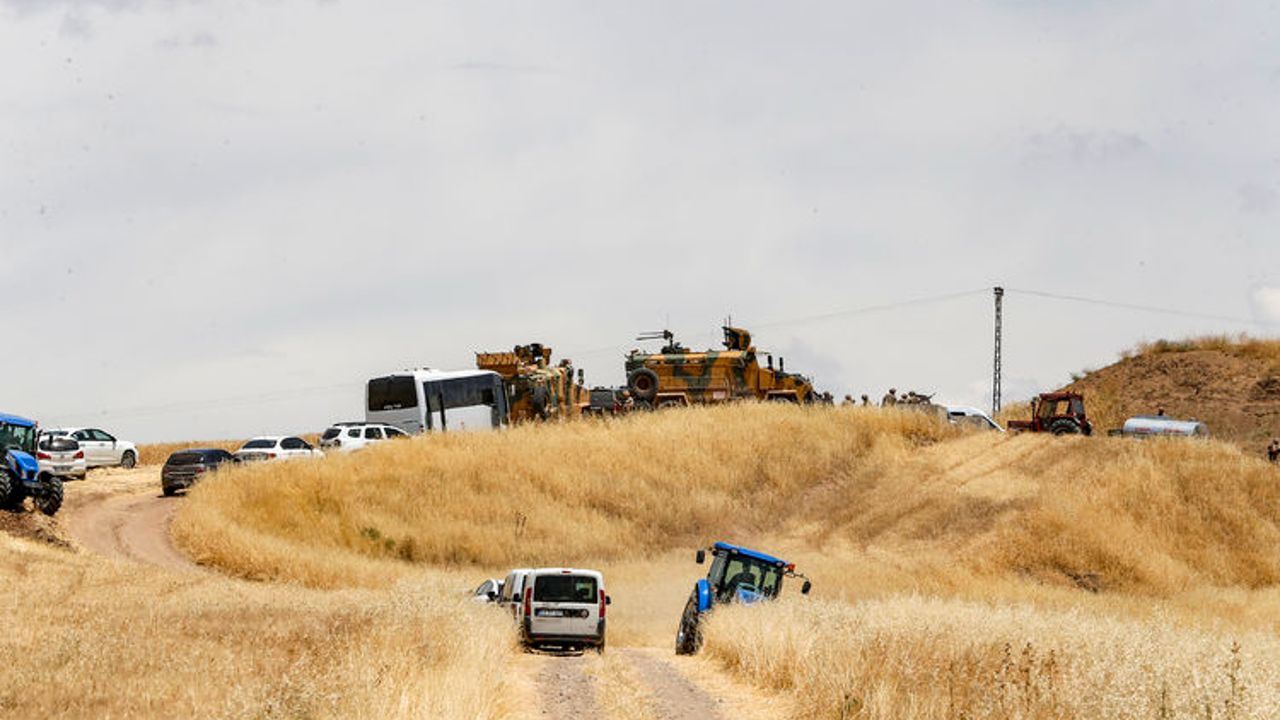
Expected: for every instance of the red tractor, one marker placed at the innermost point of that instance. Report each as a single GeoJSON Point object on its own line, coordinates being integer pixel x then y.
{"type": "Point", "coordinates": [1060, 413]}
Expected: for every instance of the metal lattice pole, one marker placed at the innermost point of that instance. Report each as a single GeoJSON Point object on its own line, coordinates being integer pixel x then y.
{"type": "Point", "coordinates": [995, 380]}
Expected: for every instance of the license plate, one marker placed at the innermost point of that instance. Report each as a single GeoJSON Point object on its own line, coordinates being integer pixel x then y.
{"type": "Point", "coordinates": [543, 612]}
{"type": "Point", "coordinates": [62, 468]}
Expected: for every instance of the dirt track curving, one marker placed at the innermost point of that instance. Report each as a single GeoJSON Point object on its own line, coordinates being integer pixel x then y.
{"type": "Point", "coordinates": [131, 526]}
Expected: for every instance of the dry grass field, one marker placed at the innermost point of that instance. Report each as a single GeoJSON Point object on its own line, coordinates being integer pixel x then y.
{"type": "Point", "coordinates": [92, 638]}
{"type": "Point", "coordinates": [956, 576]}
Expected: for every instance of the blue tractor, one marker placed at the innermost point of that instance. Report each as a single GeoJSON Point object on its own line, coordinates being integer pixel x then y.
{"type": "Point", "coordinates": [737, 574]}
{"type": "Point", "coordinates": [20, 474]}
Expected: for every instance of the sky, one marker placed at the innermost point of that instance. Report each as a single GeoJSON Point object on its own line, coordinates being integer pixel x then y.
{"type": "Point", "coordinates": [220, 219]}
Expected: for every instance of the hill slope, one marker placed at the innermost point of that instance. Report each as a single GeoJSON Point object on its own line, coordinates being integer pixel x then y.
{"type": "Point", "coordinates": [1231, 384]}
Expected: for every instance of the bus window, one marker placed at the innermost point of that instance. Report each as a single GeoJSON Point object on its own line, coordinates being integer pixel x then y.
{"type": "Point", "coordinates": [392, 393]}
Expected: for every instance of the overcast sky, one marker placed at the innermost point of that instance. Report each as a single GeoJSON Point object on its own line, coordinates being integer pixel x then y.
{"type": "Point", "coordinates": [219, 219]}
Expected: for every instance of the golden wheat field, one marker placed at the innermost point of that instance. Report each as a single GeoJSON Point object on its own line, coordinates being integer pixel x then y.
{"type": "Point", "coordinates": [956, 576]}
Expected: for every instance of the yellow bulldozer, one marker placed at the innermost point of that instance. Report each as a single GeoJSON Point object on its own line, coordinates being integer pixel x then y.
{"type": "Point", "coordinates": [536, 389]}
{"type": "Point", "coordinates": [679, 376]}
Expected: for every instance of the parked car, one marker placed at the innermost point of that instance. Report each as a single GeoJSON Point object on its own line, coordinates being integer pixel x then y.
{"type": "Point", "coordinates": [564, 608]}
{"type": "Point", "coordinates": [488, 591]}
{"type": "Point", "coordinates": [276, 447]}
{"type": "Point", "coordinates": [185, 467]}
{"type": "Point", "coordinates": [100, 448]}
{"type": "Point", "coordinates": [971, 417]}
{"type": "Point", "coordinates": [355, 435]}
{"type": "Point", "coordinates": [513, 591]}
{"type": "Point", "coordinates": [60, 456]}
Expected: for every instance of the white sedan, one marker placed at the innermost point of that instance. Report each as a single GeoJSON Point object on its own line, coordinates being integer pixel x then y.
{"type": "Point", "coordinates": [276, 447]}
{"type": "Point", "coordinates": [100, 449]}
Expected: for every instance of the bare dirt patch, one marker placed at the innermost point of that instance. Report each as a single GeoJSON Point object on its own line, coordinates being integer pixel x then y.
{"type": "Point", "coordinates": [565, 688]}
{"type": "Point", "coordinates": [673, 695]}
{"type": "Point", "coordinates": [130, 527]}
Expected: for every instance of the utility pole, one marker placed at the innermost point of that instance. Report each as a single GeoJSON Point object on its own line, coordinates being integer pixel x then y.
{"type": "Point", "coordinates": [995, 380]}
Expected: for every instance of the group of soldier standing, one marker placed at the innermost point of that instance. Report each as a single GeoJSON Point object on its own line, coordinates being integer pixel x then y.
{"type": "Point", "coordinates": [890, 399]}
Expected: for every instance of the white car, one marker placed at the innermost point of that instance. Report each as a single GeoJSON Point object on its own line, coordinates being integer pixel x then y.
{"type": "Point", "coordinates": [563, 608]}
{"type": "Point", "coordinates": [488, 591]}
{"type": "Point", "coordinates": [276, 447]}
{"type": "Point", "coordinates": [60, 456]}
{"type": "Point", "coordinates": [348, 436]}
{"type": "Point", "coordinates": [971, 417]}
{"type": "Point", "coordinates": [100, 449]}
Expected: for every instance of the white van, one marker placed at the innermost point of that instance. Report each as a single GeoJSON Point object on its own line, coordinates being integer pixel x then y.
{"type": "Point", "coordinates": [513, 591]}
{"type": "Point", "coordinates": [563, 608]}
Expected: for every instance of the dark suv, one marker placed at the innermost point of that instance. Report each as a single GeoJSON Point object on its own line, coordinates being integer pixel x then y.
{"type": "Point", "coordinates": [184, 467]}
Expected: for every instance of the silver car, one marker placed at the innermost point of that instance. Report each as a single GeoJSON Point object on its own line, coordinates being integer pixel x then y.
{"type": "Point", "coordinates": [60, 456]}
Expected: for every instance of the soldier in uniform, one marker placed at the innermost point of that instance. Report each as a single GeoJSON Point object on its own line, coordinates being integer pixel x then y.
{"type": "Point", "coordinates": [890, 398]}
{"type": "Point", "coordinates": [848, 400]}
{"type": "Point", "coordinates": [1273, 451]}
{"type": "Point", "coordinates": [866, 401]}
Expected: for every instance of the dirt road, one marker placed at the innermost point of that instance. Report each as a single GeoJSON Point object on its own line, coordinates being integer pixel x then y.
{"type": "Point", "coordinates": [643, 683]}
{"type": "Point", "coordinates": [127, 519]}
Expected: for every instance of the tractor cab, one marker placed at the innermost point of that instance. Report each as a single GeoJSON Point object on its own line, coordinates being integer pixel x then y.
{"type": "Point", "coordinates": [20, 471]}
{"type": "Point", "coordinates": [741, 575]}
{"type": "Point", "coordinates": [737, 575]}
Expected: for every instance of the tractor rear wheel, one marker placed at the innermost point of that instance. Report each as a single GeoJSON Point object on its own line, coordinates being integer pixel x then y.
{"type": "Point", "coordinates": [689, 636]}
{"type": "Point", "coordinates": [643, 384]}
{"type": "Point", "coordinates": [50, 497]}
{"type": "Point", "coordinates": [6, 488]}
{"type": "Point", "coordinates": [1064, 427]}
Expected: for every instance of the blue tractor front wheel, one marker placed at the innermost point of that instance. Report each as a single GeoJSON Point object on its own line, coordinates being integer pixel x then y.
{"type": "Point", "coordinates": [689, 636]}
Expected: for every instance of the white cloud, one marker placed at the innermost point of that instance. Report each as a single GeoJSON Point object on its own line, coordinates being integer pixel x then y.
{"type": "Point", "coordinates": [318, 191]}
{"type": "Point", "coordinates": [1266, 305]}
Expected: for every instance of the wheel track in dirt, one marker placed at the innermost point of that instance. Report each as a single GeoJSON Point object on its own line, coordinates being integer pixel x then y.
{"type": "Point", "coordinates": [133, 526]}
{"type": "Point", "coordinates": [571, 686]}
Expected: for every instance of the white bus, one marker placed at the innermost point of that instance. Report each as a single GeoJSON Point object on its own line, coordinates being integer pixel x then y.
{"type": "Point", "coordinates": [437, 400]}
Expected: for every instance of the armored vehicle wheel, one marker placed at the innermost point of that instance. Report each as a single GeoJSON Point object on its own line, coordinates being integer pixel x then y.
{"type": "Point", "coordinates": [643, 384]}
{"type": "Point", "coordinates": [50, 497]}
{"type": "Point", "coordinates": [689, 636]}
{"type": "Point", "coordinates": [1064, 427]}
{"type": "Point", "coordinates": [128, 460]}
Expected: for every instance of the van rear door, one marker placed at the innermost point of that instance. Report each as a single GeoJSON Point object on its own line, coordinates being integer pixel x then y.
{"type": "Point", "coordinates": [566, 604]}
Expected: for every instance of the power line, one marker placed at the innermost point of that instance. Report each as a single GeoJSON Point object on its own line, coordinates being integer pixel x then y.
{"type": "Point", "coordinates": [1142, 308]}
{"type": "Point", "coordinates": [868, 309]}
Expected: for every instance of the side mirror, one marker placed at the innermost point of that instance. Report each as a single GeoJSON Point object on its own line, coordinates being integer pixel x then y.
{"type": "Point", "coordinates": [701, 557]}
{"type": "Point", "coordinates": [608, 600]}
{"type": "Point", "coordinates": [806, 587]}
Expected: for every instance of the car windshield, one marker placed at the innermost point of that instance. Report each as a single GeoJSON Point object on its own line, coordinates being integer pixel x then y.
{"type": "Point", "coordinates": [331, 433]}
{"type": "Point", "coordinates": [259, 445]}
{"type": "Point", "coordinates": [17, 437]}
{"type": "Point", "coordinates": [565, 588]}
{"type": "Point", "coordinates": [749, 573]}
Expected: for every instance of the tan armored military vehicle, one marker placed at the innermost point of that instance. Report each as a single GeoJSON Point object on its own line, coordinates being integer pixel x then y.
{"type": "Point", "coordinates": [679, 376]}
{"type": "Point", "coordinates": [536, 389]}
